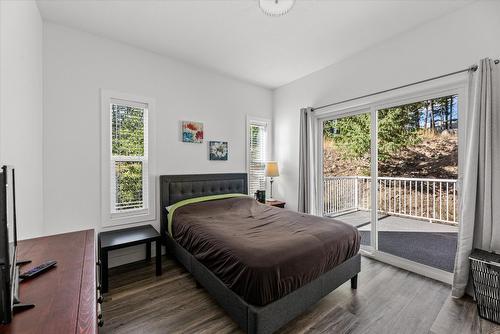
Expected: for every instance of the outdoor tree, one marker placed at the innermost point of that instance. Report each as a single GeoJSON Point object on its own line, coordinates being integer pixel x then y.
{"type": "Point", "coordinates": [351, 135]}
{"type": "Point", "coordinates": [398, 127]}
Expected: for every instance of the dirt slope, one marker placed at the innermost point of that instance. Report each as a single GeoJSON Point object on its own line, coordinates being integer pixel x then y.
{"type": "Point", "coordinates": [435, 156]}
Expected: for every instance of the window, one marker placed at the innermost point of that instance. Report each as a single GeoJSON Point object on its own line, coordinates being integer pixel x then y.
{"type": "Point", "coordinates": [129, 158]}
{"type": "Point", "coordinates": [128, 186]}
{"type": "Point", "coordinates": [258, 134]}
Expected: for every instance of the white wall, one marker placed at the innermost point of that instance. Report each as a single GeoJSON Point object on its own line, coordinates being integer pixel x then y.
{"type": "Point", "coordinates": [77, 65]}
{"type": "Point", "coordinates": [21, 108]}
{"type": "Point", "coordinates": [445, 45]}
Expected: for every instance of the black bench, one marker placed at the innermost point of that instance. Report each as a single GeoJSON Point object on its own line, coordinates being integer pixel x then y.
{"type": "Point", "coordinates": [132, 236]}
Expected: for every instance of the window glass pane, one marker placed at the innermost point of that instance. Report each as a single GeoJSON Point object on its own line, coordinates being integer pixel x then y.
{"type": "Point", "coordinates": [127, 130]}
{"type": "Point", "coordinates": [128, 186]}
{"type": "Point", "coordinates": [347, 178]}
{"type": "Point", "coordinates": [257, 157]}
{"type": "Point", "coordinates": [417, 181]}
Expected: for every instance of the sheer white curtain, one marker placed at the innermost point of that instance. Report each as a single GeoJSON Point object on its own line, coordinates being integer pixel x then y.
{"type": "Point", "coordinates": [480, 202]}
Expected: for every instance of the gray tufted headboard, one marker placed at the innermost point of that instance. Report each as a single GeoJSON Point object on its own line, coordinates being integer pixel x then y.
{"type": "Point", "coordinates": [175, 188]}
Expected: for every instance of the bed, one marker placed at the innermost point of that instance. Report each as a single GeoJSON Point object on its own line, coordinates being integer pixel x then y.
{"type": "Point", "coordinates": [260, 263]}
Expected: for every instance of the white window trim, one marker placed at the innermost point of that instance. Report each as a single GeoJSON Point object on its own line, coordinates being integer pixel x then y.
{"type": "Point", "coordinates": [262, 121]}
{"type": "Point", "coordinates": [108, 218]}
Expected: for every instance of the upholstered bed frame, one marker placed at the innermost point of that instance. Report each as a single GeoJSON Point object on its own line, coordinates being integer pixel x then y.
{"type": "Point", "coordinates": [252, 319]}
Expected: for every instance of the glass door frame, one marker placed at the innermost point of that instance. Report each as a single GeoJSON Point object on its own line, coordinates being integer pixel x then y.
{"type": "Point", "coordinates": [456, 85]}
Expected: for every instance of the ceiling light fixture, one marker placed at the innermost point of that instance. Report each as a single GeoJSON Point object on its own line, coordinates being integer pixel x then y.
{"type": "Point", "coordinates": [276, 7]}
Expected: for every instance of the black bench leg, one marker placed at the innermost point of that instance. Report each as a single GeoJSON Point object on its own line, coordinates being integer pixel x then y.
{"type": "Point", "coordinates": [354, 282]}
{"type": "Point", "coordinates": [148, 251]}
{"type": "Point", "coordinates": [198, 285]}
{"type": "Point", "coordinates": [158, 257]}
{"type": "Point", "coordinates": [104, 271]}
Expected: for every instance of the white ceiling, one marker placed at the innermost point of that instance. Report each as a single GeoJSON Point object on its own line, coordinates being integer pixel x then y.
{"type": "Point", "coordinates": [234, 37]}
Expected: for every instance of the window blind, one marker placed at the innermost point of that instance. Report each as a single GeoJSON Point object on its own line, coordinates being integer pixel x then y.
{"type": "Point", "coordinates": [257, 157]}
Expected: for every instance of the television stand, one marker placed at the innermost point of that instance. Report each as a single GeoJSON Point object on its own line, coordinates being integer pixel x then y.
{"type": "Point", "coordinates": [22, 262]}
{"type": "Point", "coordinates": [19, 307]}
{"type": "Point", "coordinates": [66, 296]}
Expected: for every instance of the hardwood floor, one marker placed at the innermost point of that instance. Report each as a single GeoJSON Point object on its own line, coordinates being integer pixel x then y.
{"type": "Point", "coordinates": [388, 300]}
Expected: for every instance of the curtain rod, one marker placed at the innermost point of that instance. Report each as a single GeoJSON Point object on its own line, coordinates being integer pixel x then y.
{"type": "Point", "coordinates": [472, 68]}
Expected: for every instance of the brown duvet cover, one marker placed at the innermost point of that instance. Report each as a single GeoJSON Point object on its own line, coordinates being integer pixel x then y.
{"type": "Point", "coordinates": [261, 252]}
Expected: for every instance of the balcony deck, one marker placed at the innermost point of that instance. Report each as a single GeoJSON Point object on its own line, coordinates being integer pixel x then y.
{"type": "Point", "coordinates": [417, 240]}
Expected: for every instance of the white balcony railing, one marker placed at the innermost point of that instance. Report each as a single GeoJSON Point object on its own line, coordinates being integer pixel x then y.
{"type": "Point", "coordinates": [429, 199]}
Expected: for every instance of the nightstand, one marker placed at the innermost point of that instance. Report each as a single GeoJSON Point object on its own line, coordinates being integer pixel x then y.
{"type": "Point", "coordinates": [117, 239]}
{"type": "Point", "coordinates": [278, 204]}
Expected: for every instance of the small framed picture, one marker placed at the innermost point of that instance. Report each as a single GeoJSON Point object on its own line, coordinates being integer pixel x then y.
{"type": "Point", "coordinates": [192, 132]}
{"type": "Point", "coordinates": [218, 150]}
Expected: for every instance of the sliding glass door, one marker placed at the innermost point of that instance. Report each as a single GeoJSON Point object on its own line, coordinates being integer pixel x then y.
{"type": "Point", "coordinates": [347, 172]}
{"type": "Point", "coordinates": [417, 181]}
{"type": "Point", "coordinates": [392, 172]}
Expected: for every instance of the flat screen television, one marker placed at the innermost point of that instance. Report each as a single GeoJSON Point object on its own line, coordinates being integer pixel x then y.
{"type": "Point", "coordinates": [9, 272]}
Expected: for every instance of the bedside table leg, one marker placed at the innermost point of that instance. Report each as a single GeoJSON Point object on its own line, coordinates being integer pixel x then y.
{"type": "Point", "coordinates": [104, 270]}
{"type": "Point", "coordinates": [158, 257]}
{"type": "Point", "coordinates": [148, 251]}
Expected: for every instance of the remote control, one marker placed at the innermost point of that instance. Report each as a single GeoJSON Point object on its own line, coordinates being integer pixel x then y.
{"type": "Point", "coordinates": [37, 270]}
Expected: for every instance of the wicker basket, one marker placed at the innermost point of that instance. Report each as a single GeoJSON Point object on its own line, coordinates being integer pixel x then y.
{"type": "Point", "coordinates": [485, 271]}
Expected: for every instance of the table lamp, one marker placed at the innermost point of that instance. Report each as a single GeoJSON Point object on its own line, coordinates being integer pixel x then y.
{"type": "Point", "coordinates": [272, 171]}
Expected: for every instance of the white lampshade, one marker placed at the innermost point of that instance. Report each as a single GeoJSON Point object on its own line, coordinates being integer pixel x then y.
{"type": "Point", "coordinates": [272, 169]}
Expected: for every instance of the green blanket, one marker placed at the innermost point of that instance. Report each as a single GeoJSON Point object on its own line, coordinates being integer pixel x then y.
{"type": "Point", "coordinates": [171, 209]}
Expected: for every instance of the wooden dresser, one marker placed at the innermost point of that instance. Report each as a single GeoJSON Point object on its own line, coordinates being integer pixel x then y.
{"type": "Point", "coordinates": [65, 296]}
